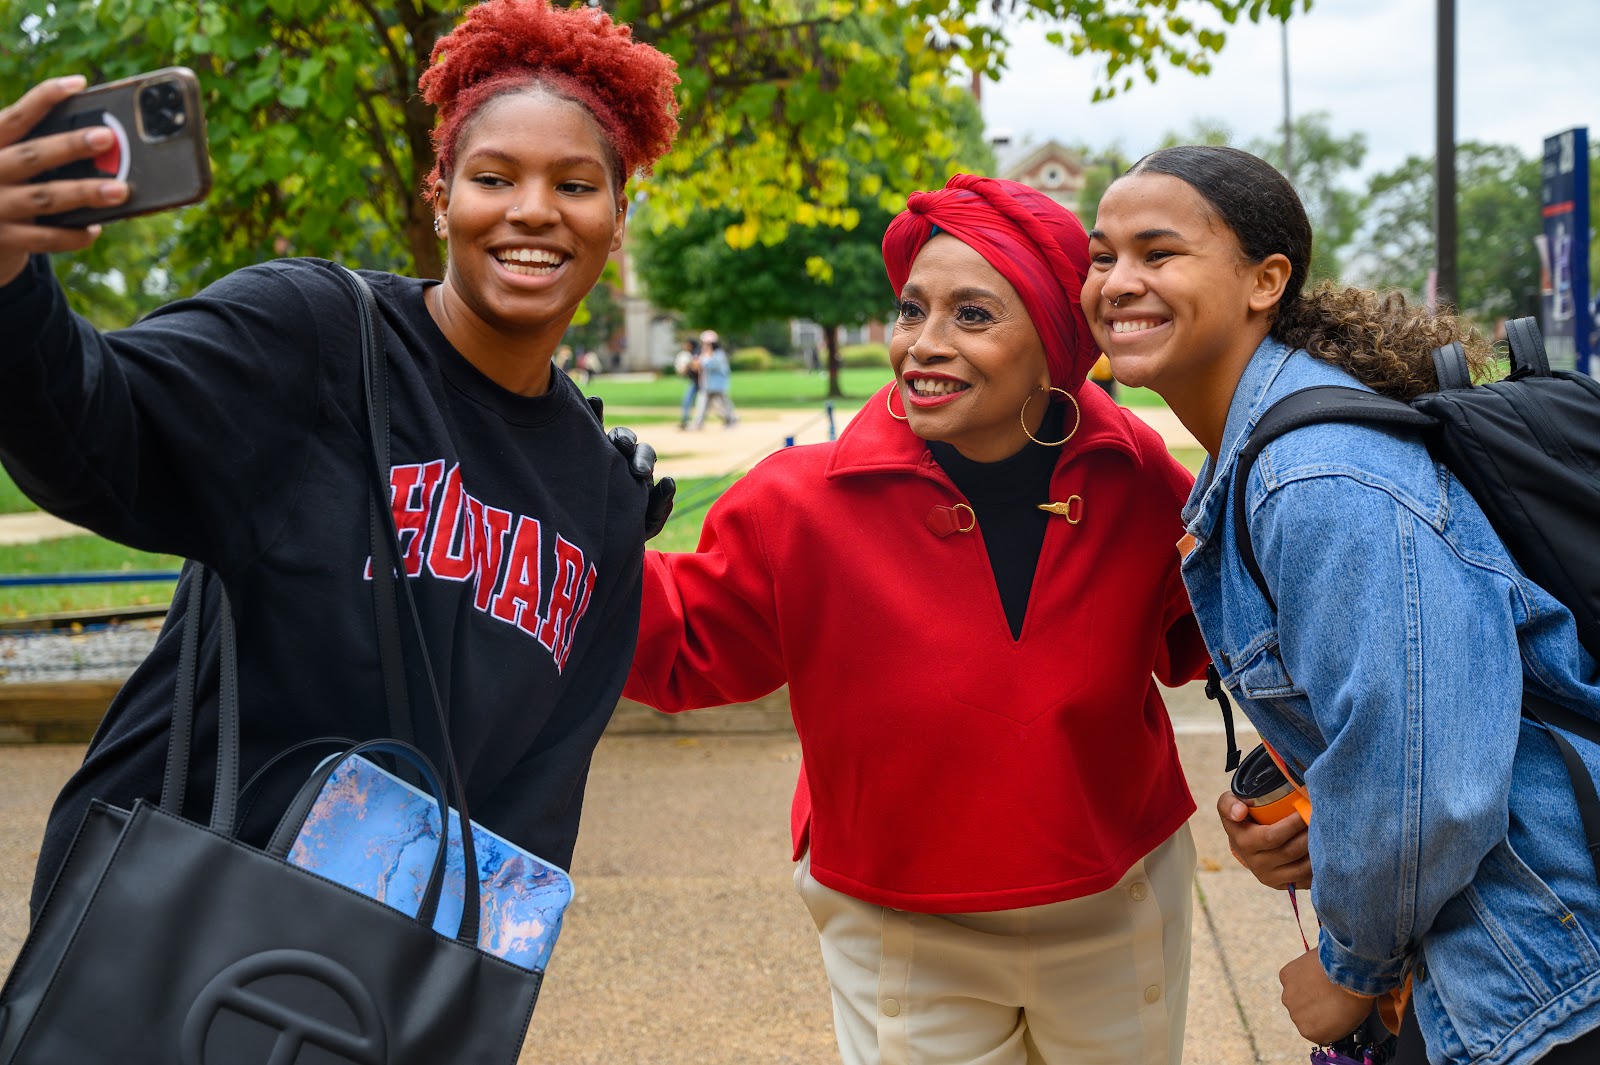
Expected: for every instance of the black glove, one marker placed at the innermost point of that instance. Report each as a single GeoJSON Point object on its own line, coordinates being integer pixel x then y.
{"type": "Point", "coordinates": [642, 464]}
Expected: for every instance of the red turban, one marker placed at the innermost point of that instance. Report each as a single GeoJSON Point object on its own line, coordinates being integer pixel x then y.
{"type": "Point", "coordinates": [1034, 242]}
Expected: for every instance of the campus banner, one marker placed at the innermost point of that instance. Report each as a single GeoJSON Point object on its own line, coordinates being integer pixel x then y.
{"type": "Point", "coordinates": [1564, 250]}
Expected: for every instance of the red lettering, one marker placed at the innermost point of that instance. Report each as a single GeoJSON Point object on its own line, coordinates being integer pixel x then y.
{"type": "Point", "coordinates": [518, 602]}
{"type": "Point", "coordinates": [564, 591]}
{"type": "Point", "coordinates": [411, 491]}
{"type": "Point", "coordinates": [446, 559]}
{"type": "Point", "coordinates": [568, 638]}
{"type": "Point", "coordinates": [489, 527]}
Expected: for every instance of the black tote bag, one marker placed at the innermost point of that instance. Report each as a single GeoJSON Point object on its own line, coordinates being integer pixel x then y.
{"type": "Point", "coordinates": [164, 941]}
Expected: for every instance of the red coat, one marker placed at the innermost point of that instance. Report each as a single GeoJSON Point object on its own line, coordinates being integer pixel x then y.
{"type": "Point", "coordinates": [946, 767]}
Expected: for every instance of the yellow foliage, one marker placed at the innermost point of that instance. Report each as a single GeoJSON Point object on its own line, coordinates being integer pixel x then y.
{"type": "Point", "coordinates": [819, 269]}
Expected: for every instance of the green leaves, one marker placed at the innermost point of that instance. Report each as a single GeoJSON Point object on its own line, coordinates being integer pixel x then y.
{"type": "Point", "coordinates": [795, 112]}
{"type": "Point", "coordinates": [1497, 217]}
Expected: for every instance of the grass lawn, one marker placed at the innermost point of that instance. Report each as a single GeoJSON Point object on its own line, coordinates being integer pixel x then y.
{"type": "Point", "coordinates": [783, 388]}
{"type": "Point", "coordinates": [80, 554]}
{"type": "Point", "coordinates": [772, 388]}
{"type": "Point", "coordinates": [1190, 457]}
{"type": "Point", "coordinates": [12, 501]}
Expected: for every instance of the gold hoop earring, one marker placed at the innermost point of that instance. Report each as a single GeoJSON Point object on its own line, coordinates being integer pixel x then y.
{"type": "Point", "coordinates": [1076, 420]}
{"type": "Point", "coordinates": [888, 401]}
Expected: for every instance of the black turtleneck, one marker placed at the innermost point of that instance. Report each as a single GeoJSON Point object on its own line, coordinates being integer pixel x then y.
{"type": "Point", "coordinates": [1005, 496]}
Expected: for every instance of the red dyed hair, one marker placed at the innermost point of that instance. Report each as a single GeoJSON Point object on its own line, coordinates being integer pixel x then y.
{"type": "Point", "coordinates": [507, 45]}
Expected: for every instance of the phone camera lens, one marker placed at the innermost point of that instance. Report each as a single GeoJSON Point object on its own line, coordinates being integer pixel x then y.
{"type": "Point", "coordinates": [161, 110]}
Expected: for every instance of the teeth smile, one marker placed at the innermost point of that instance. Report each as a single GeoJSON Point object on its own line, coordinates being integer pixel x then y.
{"type": "Point", "coordinates": [530, 262]}
{"type": "Point", "coordinates": [927, 386]}
{"type": "Point", "coordinates": [1135, 326]}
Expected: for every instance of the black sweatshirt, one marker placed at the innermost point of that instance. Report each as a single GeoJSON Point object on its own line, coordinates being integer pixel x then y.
{"type": "Point", "coordinates": [1005, 498]}
{"type": "Point", "coordinates": [230, 429]}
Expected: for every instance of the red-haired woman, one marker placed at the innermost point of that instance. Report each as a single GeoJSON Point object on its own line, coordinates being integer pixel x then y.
{"type": "Point", "coordinates": [968, 594]}
{"type": "Point", "coordinates": [230, 428]}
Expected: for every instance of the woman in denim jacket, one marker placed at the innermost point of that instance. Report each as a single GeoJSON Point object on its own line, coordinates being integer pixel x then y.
{"type": "Point", "coordinates": [1446, 841]}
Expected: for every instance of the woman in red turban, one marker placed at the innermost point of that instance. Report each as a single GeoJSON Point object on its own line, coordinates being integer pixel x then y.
{"type": "Point", "coordinates": [969, 595]}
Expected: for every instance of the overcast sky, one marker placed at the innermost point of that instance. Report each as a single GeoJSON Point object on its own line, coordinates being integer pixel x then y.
{"type": "Point", "coordinates": [1525, 69]}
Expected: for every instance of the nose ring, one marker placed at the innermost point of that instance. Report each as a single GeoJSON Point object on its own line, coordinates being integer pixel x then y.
{"type": "Point", "coordinates": [1117, 302]}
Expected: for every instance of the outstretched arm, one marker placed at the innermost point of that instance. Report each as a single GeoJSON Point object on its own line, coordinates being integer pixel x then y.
{"type": "Point", "coordinates": [708, 634]}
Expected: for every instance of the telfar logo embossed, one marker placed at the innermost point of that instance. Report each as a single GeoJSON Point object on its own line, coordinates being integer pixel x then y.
{"type": "Point", "coordinates": [267, 1008]}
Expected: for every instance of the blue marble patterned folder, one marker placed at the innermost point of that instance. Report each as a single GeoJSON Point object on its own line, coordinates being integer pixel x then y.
{"type": "Point", "coordinates": [374, 833]}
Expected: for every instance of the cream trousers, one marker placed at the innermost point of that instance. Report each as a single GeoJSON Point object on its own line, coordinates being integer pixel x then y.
{"type": "Point", "coordinates": [1101, 980]}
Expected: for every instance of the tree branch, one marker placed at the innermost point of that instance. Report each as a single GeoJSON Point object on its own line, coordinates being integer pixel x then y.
{"type": "Point", "coordinates": [397, 62]}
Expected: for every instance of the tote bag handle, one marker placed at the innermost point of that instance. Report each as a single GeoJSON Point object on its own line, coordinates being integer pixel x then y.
{"type": "Point", "coordinates": [386, 540]}
{"type": "Point", "coordinates": [387, 572]}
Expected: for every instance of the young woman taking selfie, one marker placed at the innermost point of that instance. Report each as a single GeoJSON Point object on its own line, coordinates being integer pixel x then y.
{"type": "Point", "coordinates": [230, 428]}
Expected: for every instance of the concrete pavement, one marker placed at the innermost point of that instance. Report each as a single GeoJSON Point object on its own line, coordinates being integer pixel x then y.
{"type": "Point", "coordinates": [687, 944]}
{"type": "Point", "coordinates": [34, 526]}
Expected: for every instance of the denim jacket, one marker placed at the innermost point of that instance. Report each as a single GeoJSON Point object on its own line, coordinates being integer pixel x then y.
{"type": "Point", "coordinates": [1445, 838]}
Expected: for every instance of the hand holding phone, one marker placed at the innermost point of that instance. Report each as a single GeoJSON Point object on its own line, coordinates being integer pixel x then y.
{"type": "Point", "coordinates": [71, 159]}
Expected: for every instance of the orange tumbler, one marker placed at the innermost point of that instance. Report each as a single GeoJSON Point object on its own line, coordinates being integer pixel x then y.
{"type": "Point", "coordinates": [1263, 784]}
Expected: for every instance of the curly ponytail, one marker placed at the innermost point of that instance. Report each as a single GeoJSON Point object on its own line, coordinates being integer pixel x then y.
{"type": "Point", "coordinates": [1382, 340]}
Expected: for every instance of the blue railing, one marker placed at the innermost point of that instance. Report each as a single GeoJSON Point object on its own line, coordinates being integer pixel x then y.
{"type": "Point", "coordinates": [27, 580]}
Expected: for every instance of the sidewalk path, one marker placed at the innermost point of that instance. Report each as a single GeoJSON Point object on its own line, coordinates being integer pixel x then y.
{"type": "Point", "coordinates": [32, 527]}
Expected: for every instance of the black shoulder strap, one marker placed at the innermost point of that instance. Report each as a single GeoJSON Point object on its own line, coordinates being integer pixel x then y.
{"type": "Point", "coordinates": [1450, 366]}
{"type": "Point", "coordinates": [1309, 406]}
{"type": "Point", "coordinates": [1527, 346]}
{"type": "Point", "coordinates": [386, 565]}
{"type": "Point", "coordinates": [1552, 717]}
{"type": "Point", "coordinates": [387, 560]}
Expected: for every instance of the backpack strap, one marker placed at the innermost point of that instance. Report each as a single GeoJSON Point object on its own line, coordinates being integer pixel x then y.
{"type": "Point", "coordinates": [1450, 366]}
{"type": "Point", "coordinates": [1553, 716]}
{"type": "Point", "coordinates": [1308, 406]}
{"type": "Point", "coordinates": [1527, 346]}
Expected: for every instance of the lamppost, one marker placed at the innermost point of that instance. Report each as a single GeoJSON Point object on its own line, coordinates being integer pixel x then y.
{"type": "Point", "coordinates": [1444, 159]}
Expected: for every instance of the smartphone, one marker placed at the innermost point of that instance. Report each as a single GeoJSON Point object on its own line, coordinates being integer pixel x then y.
{"type": "Point", "coordinates": [160, 148]}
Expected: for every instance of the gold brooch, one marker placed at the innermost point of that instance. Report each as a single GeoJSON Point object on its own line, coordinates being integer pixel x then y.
{"type": "Point", "coordinates": [1072, 509]}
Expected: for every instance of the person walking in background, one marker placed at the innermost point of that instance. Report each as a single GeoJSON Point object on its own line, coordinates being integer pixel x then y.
{"type": "Point", "coordinates": [1446, 852]}
{"type": "Point", "coordinates": [970, 595]}
{"type": "Point", "coordinates": [687, 366]}
{"type": "Point", "coordinates": [716, 382]}
{"type": "Point", "coordinates": [589, 366]}
{"type": "Point", "coordinates": [229, 428]}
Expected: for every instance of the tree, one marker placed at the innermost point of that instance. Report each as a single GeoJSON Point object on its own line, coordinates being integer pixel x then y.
{"type": "Point", "coordinates": [1498, 216]}
{"type": "Point", "coordinates": [830, 275]}
{"type": "Point", "coordinates": [321, 143]}
{"type": "Point", "coordinates": [731, 273]}
{"type": "Point", "coordinates": [1322, 160]}
{"type": "Point", "coordinates": [601, 316]}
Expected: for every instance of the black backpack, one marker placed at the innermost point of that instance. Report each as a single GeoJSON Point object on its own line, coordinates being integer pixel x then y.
{"type": "Point", "coordinates": [1528, 450]}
